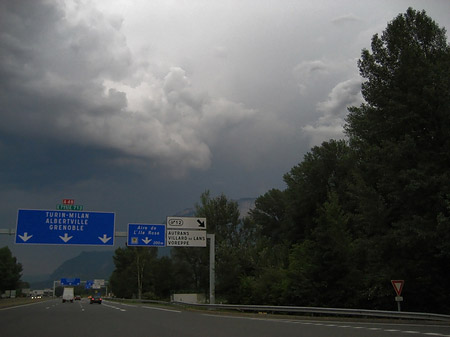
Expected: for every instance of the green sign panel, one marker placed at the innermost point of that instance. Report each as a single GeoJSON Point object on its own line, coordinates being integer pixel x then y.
{"type": "Point", "coordinates": [63, 207]}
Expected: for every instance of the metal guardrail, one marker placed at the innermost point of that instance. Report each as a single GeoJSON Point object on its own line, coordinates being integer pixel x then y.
{"type": "Point", "coordinates": [309, 310]}
{"type": "Point", "coordinates": [328, 311]}
{"type": "Point", "coordinates": [8, 231]}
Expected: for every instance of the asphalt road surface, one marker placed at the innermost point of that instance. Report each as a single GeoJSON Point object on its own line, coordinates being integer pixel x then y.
{"type": "Point", "coordinates": [110, 319]}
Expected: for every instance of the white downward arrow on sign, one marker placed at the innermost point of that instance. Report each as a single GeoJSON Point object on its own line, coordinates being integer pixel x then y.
{"type": "Point", "coordinates": [104, 239]}
{"type": "Point", "coordinates": [25, 237]}
{"type": "Point", "coordinates": [147, 240]}
{"type": "Point", "coordinates": [66, 237]}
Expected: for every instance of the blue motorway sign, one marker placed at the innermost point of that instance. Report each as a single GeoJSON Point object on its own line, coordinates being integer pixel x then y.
{"type": "Point", "coordinates": [65, 228]}
{"type": "Point", "coordinates": [89, 284]}
{"type": "Point", "coordinates": [70, 281]}
{"type": "Point", "coordinates": [146, 235]}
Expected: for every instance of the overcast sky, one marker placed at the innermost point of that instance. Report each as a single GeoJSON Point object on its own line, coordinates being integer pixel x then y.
{"type": "Point", "coordinates": [137, 107]}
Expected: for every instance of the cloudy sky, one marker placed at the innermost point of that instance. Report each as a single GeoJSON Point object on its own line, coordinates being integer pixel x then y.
{"type": "Point", "coordinates": [137, 107]}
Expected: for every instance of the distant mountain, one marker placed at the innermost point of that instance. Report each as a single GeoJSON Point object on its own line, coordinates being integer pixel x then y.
{"type": "Point", "coordinates": [244, 205]}
{"type": "Point", "coordinates": [87, 266]}
{"type": "Point", "coordinates": [186, 212]}
{"type": "Point", "coordinates": [38, 281]}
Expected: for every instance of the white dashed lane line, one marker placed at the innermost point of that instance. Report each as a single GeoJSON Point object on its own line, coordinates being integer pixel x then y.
{"type": "Point", "coordinates": [337, 325]}
{"type": "Point", "coordinates": [113, 307]}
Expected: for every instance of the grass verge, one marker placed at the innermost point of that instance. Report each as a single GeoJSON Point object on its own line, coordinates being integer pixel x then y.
{"type": "Point", "coordinates": [12, 302]}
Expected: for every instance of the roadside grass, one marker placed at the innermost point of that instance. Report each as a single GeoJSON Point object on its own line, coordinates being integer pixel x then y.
{"type": "Point", "coordinates": [12, 302]}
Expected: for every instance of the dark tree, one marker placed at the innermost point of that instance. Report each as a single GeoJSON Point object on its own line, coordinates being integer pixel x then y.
{"type": "Point", "coordinates": [270, 215]}
{"type": "Point", "coordinates": [133, 275]}
{"type": "Point", "coordinates": [325, 168]}
{"type": "Point", "coordinates": [10, 270]}
{"type": "Point", "coordinates": [401, 138]}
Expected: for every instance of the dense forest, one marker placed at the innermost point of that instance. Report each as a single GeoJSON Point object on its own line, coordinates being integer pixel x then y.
{"type": "Point", "coordinates": [355, 214]}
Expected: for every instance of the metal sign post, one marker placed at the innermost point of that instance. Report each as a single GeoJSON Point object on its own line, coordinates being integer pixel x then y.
{"type": "Point", "coordinates": [212, 267]}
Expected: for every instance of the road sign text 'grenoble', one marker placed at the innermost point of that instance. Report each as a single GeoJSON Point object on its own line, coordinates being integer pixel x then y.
{"type": "Point", "coordinates": [62, 221]}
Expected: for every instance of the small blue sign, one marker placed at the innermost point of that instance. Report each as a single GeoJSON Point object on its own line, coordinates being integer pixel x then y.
{"type": "Point", "coordinates": [146, 235]}
{"type": "Point", "coordinates": [70, 281]}
{"type": "Point", "coordinates": [89, 284]}
{"type": "Point", "coordinates": [65, 228]}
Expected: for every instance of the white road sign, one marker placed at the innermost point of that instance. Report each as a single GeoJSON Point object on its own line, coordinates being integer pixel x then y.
{"type": "Point", "coordinates": [98, 284]}
{"type": "Point", "coordinates": [185, 238]}
{"type": "Point", "coordinates": [185, 222]}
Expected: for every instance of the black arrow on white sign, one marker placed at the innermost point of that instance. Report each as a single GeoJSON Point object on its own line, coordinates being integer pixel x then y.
{"type": "Point", "coordinates": [201, 223]}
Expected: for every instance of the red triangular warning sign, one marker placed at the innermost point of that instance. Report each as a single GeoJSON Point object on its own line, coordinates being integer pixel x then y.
{"type": "Point", "coordinates": [398, 286]}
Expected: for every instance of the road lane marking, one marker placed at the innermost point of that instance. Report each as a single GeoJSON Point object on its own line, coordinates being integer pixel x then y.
{"type": "Point", "coordinates": [81, 306]}
{"type": "Point", "coordinates": [129, 305]}
{"type": "Point", "coordinates": [161, 309]}
{"type": "Point", "coordinates": [336, 324]}
{"type": "Point", "coordinates": [113, 307]}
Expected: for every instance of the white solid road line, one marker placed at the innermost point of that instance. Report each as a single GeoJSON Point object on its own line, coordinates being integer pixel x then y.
{"type": "Point", "coordinates": [161, 309]}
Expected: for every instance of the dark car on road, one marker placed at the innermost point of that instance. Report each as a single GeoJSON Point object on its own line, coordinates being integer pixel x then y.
{"type": "Point", "coordinates": [96, 299]}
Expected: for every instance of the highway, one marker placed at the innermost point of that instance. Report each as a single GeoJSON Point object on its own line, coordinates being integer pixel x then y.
{"type": "Point", "coordinates": [110, 319]}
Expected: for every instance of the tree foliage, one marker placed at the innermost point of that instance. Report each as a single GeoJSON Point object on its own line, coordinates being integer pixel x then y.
{"type": "Point", "coordinates": [401, 139]}
{"type": "Point", "coordinates": [325, 168]}
{"type": "Point", "coordinates": [10, 270]}
{"type": "Point", "coordinates": [134, 274]}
